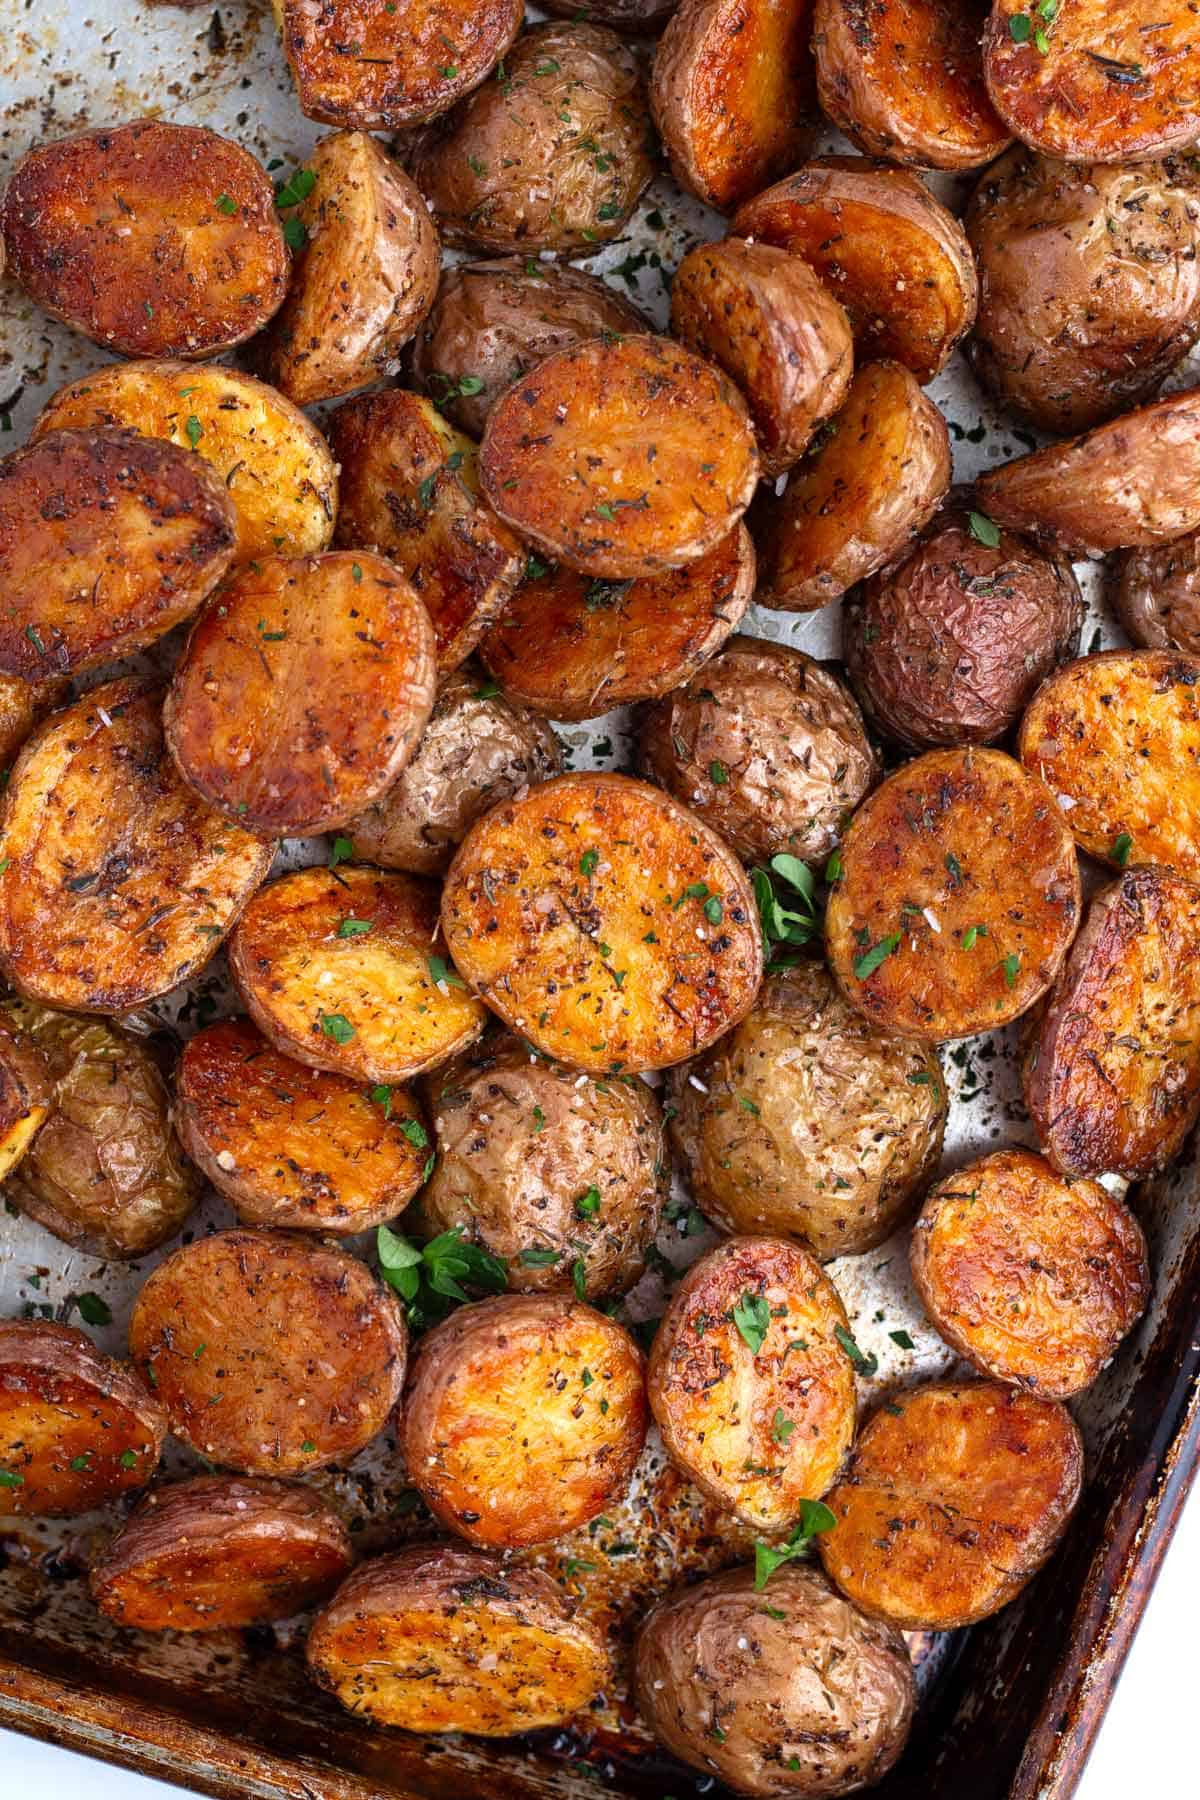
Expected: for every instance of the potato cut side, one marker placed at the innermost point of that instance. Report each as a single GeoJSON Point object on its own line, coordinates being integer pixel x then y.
{"type": "Point", "coordinates": [118, 883]}
{"type": "Point", "coordinates": [345, 969]}
{"type": "Point", "coordinates": [958, 896]}
{"type": "Point", "coordinates": [26, 1093]}
{"type": "Point", "coordinates": [604, 923]}
{"type": "Point", "coordinates": [572, 645]}
{"type": "Point", "coordinates": [24, 704]}
{"type": "Point", "coordinates": [595, 455]}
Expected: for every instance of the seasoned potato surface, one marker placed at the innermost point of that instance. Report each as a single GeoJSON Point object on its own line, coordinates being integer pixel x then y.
{"type": "Point", "coordinates": [1156, 594]}
{"type": "Point", "coordinates": [25, 1093]}
{"type": "Point", "coordinates": [24, 704]}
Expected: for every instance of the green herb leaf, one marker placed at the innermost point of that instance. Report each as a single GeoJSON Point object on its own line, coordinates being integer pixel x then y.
{"type": "Point", "coordinates": [291, 192]}
{"type": "Point", "coordinates": [863, 1365]}
{"type": "Point", "coordinates": [9, 1479]}
{"type": "Point", "coordinates": [588, 861]}
{"type": "Point", "coordinates": [752, 1316]}
{"type": "Point", "coordinates": [781, 1427]}
{"type": "Point", "coordinates": [336, 1026]}
{"type": "Point", "coordinates": [870, 960]}
{"type": "Point", "coordinates": [342, 851]}
{"type": "Point", "coordinates": [579, 1278]}
{"type": "Point", "coordinates": [429, 1278]}
{"type": "Point", "coordinates": [537, 1258]}
{"type": "Point", "coordinates": [1122, 845]}
{"type": "Point", "coordinates": [718, 774]}
{"type": "Point", "coordinates": [295, 233]}
{"type": "Point", "coordinates": [902, 1339]}
{"type": "Point", "coordinates": [1011, 966]}
{"type": "Point", "coordinates": [815, 1517]}
{"type": "Point", "coordinates": [441, 974]}
{"type": "Point", "coordinates": [93, 1310]}
{"type": "Point", "coordinates": [415, 1132]}
{"type": "Point", "coordinates": [714, 912]}
{"type": "Point", "coordinates": [226, 205]}
{"type": "Point", "coordinates": [355, 928]}
{"type": "Point", "coordinates": [194, 430]}
{"type": "Point", "coordinates": [982, 527]}
{"type": "Point", "coordinates": [382, 1096]}
{"type": "Point", "coordinates": [1020, 27]}
{"type": "Point", "coordinates": [588, 1204]}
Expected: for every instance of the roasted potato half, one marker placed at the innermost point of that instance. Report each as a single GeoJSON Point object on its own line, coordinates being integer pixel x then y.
{"type": "Point", "coordinates": [1156, 594]}
{"type": "Point", "coordinates": [410, 489]}
{"type": "Point", "coordinates": [762, 315]}
{"type": "Point", "coordinates": [292, 1146]}
{"type": "Point", "coordinates": [76, 1428]}
{"type": "Point", "coordinates": [524, 1416]}
{"type": "Point", "coordinates": [896, 259]}
{"type": "Point", "coordinates": [271, 1353]}
{"type": "Point", "coordinates": [107, 541]}
{"type": "Point", "coordinates": [118, 883]}
{"type": "Point", "coordinates": [303, 691]}
{"type": "Point", "coordinates": [152, 239]}
{"type": "Point", "coordinates": [344, 970]}
{"type": "Point", "coordinates": [572, 645]}
{"type": "Point", "coordinates": [870, 480]}
{"type": "Point", "coordinates": [26, 1093]}
{"type": "Point", "coordinates": [808, 1123]}
{"type": "Point", "coordinates": [793, 1692]}
{"type": "Point", "coordinates": [595, 456]}
{"type": "Point", "coordinates": [274, 463]}
{"type": "Point", "coordinates": [442, 1638]}
{"type": "Point", "coordinates": [1112, 1069]}
{"type": "Point", "coordinates": [732, 95]}
{"type": "Point", "coordinates": [958, 896]}
{"type": "Point", "coordinates": [933, 1457]}
{"type": "Point", "coordinates": [604, 923]}
{"type": "Point", "coordinates": [24, 704]}
{"type": "Point", "coordinates": [1035, 1280]}
{"type": "Point", "coordinates": [565, 1181]}
{"type": "Point", "coordinates": [1116, 739]}
{"type": "Point", "coordinates": [768, 747]}
{"type": "Point", "coordinates": [218, 1552]}
{"type": "Point", "coordinates": [552, 155]}
{"type": "Point", "coordinates": [363, 281]}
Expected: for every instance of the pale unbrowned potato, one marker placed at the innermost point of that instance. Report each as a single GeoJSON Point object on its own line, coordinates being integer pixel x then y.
{"type": "Point", "coordinates": [604, 923]}
{"type": "Point", "coordinates": [364, 279]}
{"type": "Point", "coordinates": [118, 883]}
{"type": "Point", "coordinates": [443, 1638]}
{"type": "Point", "coordinates": [150, 238]}
{"type": "Point", "coordinates": [270, 1352]}
{"type": "Point", "coordinates": [218, 1552]}
{"type": "Point", "coordinates": [595, 456]}
{"type": "Point", "coordinates": [303, 691]}
{"type": "Point", "coordinates": [524, 1417]}
{"type": "Point", "coordinates": [26, 1093]}
{"type": "Point", "coordinates": [1156, 594]}
{"type": "Point", "coordinates": [24, 704]}
{"type": "Point", "coordinates": [76, 1428]}
{"type": "Point", "coordinates": [931, 1458]}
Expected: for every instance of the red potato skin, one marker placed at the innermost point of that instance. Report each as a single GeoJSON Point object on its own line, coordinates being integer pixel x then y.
{"type": "Point", "coordinates": [1155, 593]}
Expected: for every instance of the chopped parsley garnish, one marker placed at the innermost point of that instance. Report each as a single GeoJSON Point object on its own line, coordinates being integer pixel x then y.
{"type": "Point", "coordinates": [429, 1277]}
{"type": "Point", "coordinates": [879, 952]}
{"type": "Point", "coordinates": [983, 528]}
{"type": "Point", "coordinates": [336, 1026]}
{"type": "Point", "coordinates": [815, 1517]}
{"type": "Point", "coordinates": [752, 1316]}
{"type": "Point", "coordinates": [863, 1365]}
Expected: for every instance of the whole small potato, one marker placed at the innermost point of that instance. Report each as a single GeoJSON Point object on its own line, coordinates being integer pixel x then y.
{"type": "Point", "coordinates": [791, 1693]}
{"type": "Point", "coordinates": [1156, 594]}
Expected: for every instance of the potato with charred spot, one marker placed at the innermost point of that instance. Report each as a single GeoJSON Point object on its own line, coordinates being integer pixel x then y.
{"type": "Point", "coordinates": [1155, 594]}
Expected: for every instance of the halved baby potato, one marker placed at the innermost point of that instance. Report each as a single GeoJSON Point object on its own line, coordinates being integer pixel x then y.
{"type": "Point", "coordinates": [76, 1428]}
{"type": "Point", "coordinates": [24, 704]}
{"type": "Point", "coordinates": [271, 1353]}
{"type": "Point", "coordinates": [292, 1146]}
{"type": "Point", "coordinates": [523, 1418]}
{"type": "Point", "coordinates": [303, 690]}
{"type": "Point", "coordinates": [748, 1382]}
{"type": "Point", "coordinates": [571, 645]}
{"type": "Point", "coordinates": [219, 1552]}
{"type": "Point", "coordinates": [150, 238]}
{"type": "Point", "coordinates": [596, 456]}
{"type": "Point", "coordinates": [117, 882]}
{"type": "Point", "coordinates": [345, 969]}
{"type": "Point", "coordinates": [604, 923]}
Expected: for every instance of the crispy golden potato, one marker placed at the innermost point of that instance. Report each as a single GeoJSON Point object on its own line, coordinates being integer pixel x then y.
{"type": "Point", "coordinates": [1116, 739]}
{"type": "Point", "coordinates": [274, 463]}
{"type": "Point", "coordinates": [26, 1093]}
{"type": "Point", "coordinates": [904, 80]}
{"type": "Point", "coordinates": [1033, 1279]}
{"type": "Point", "coordinates": [1155, 593]}
{"type": "Point", "coordinates": [24, 704]}
{"type": "Point", "coordinates": [378, 65]}
{"type": "Point", "coordinates": [105, 1172]}
{"type": "Point", "coordinates": [1102, 81]}
{"type": "Point", "coordinates": [932, 1459]}
{"type": "Point", "coordinates": [896, 259]}
{"type": "Point", "coordinates": [76, 1428]}
{"type": "Point", "coordinates": [596, 456]}
{"type": "Point", "coordinates": [793, 1692]}
{"type": "Point", "coordinates": [604, 923]}
{"type": "Point", "coordinates": [303, 691]}
{"type": "Point", "coordinates": [271, 1353]}
{"type": "Point", "coordinates": [150, 238]}
{"type": "Point", "coordinates": [767, 745]}
{"type": "Point", "coordinates": [565, 1181]}
{"type": "Point", "coordinates": [808, 1123]}
{"type": "Point", "coordinates": [762, 315]}
{"type": "Point", "coordinates": [218, 1552]}
{"type": "Point", "coordinates": [870, 480]}
{"type": "Point", "coordinates": [345, 969]}
{"type": "Point", "coordinates": [479, 747]}
{"type": "Point", "coordinates": [732, 95]}
{"type": "Point", "coordinates": [552, 155]}
{"type": "Point", "coordinates": [442, 1638]}
{"type": "Point", "coordinates": [572, 645]}
{"type": "Point", "coordinates": [949, 644]}
{"type": "Point", "coordinates": [1112, 1071]}
{"type": "Point", "coordinates": [292, 1146]}
{"type": "Point", "coordinates": [364, 280]}
{"type": "Point", "coordinates": [750, 1387]}
{"type": "Point", "coordinates": [118, 883]}
{"type": "Point", "coordinates": [524, 1416]}
{"type": "Point", "coordinates": [410, 489]}
{"type": "Point", "coordinates": [958, 897]}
